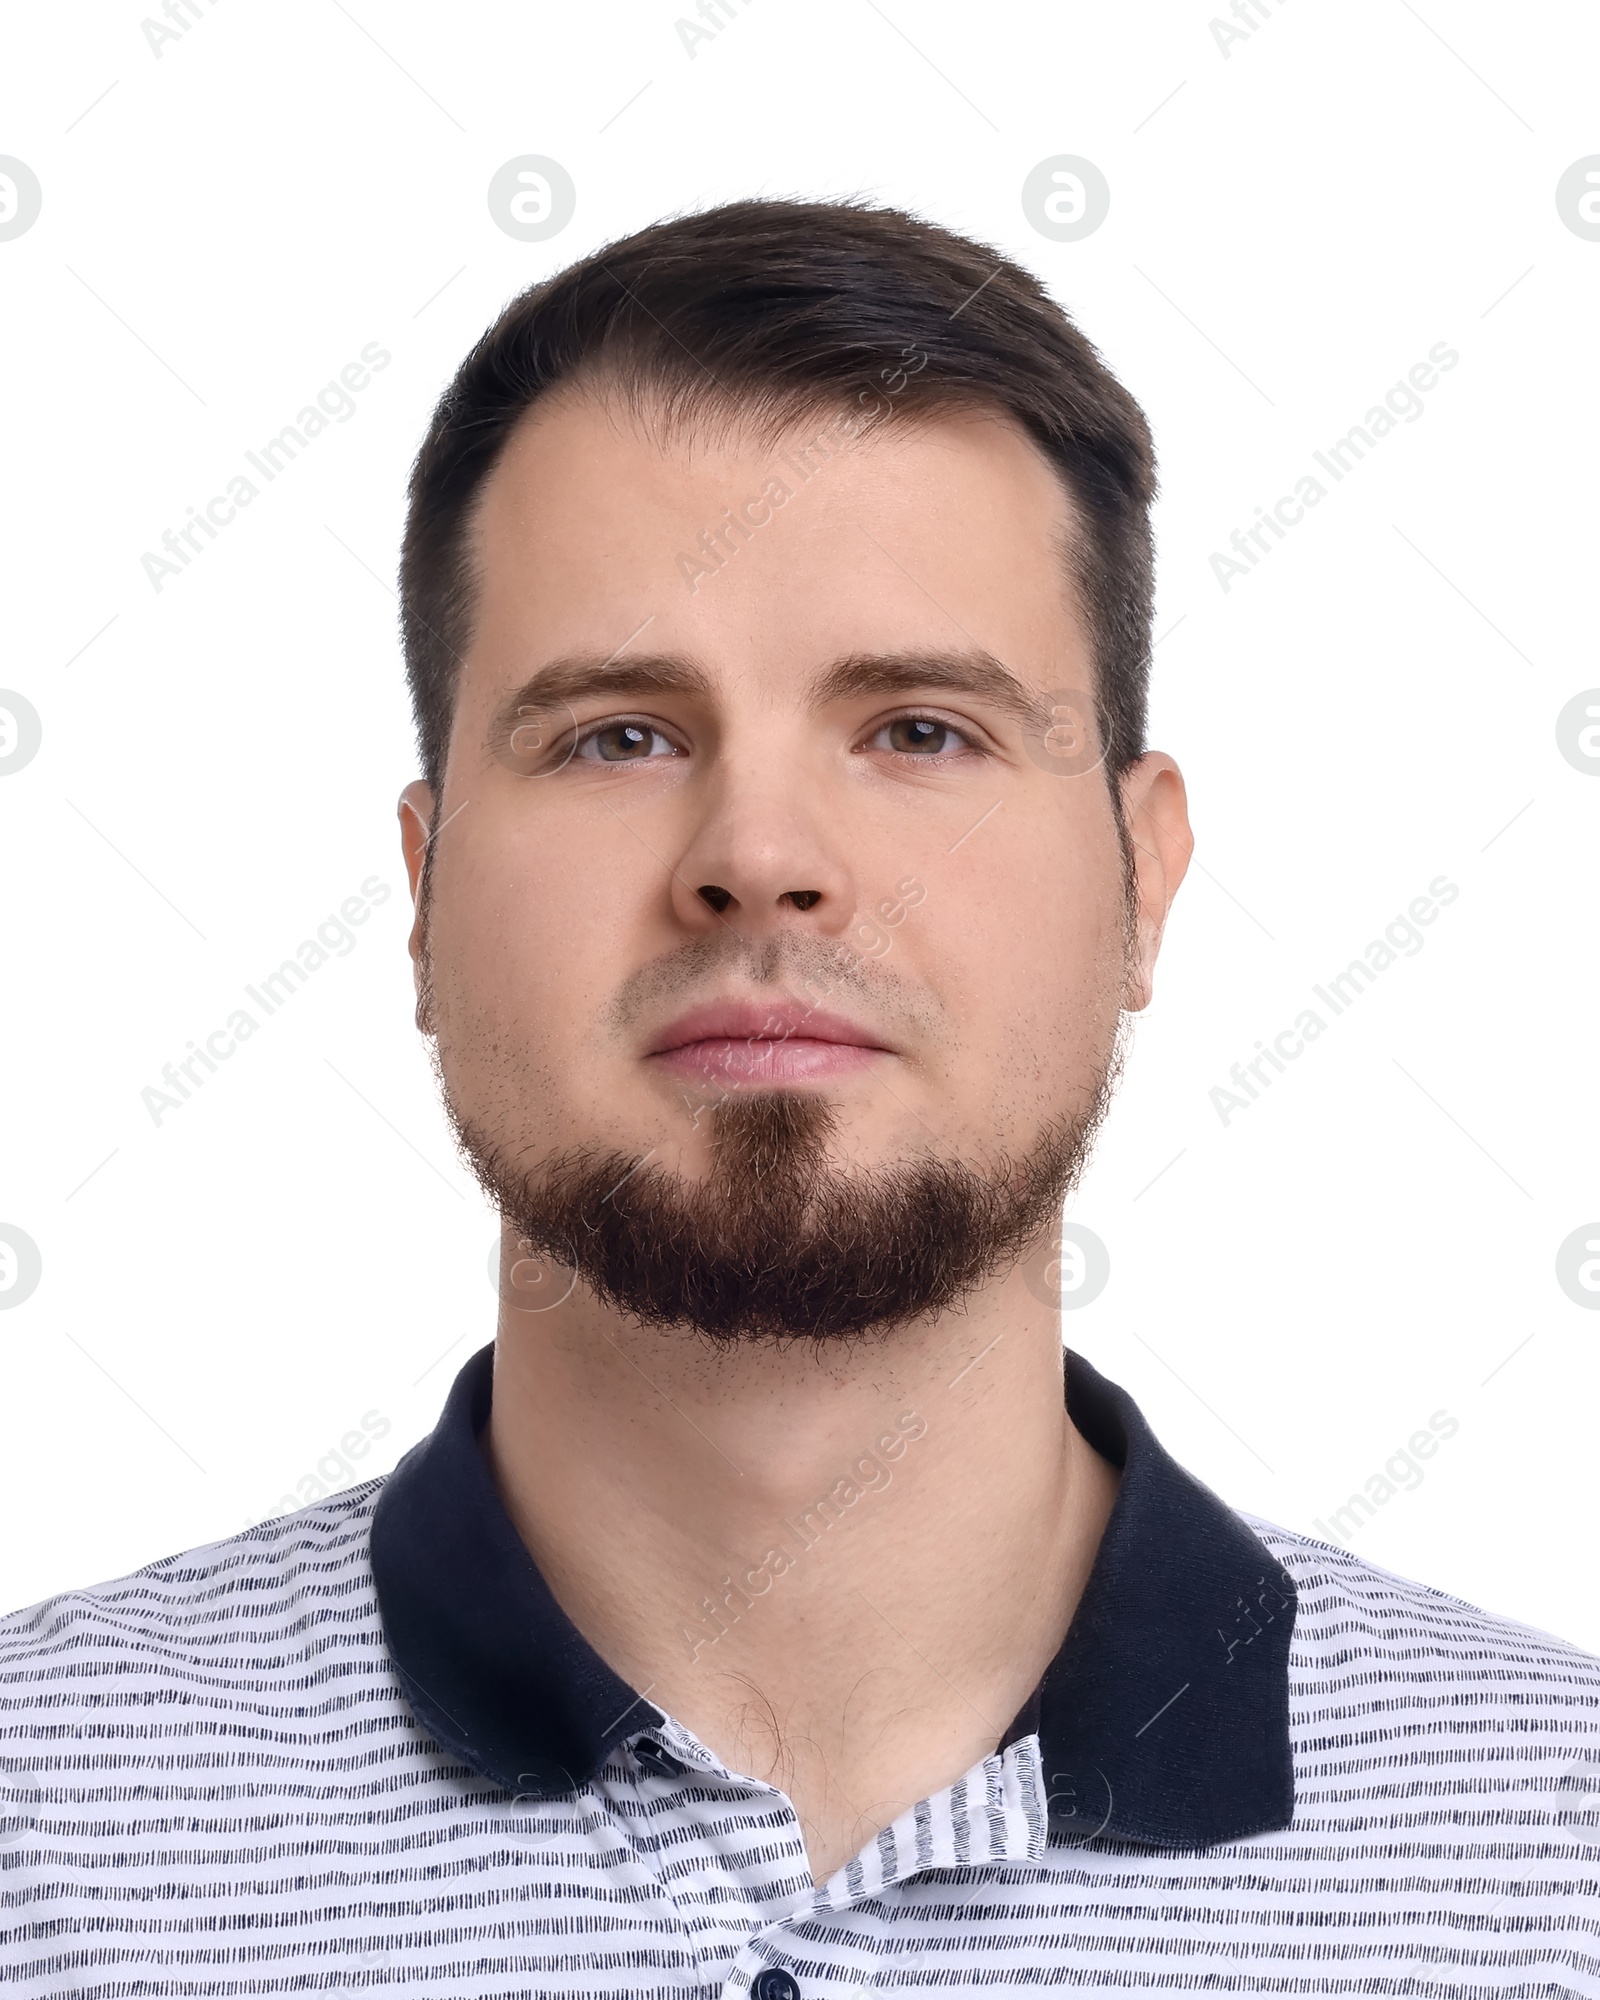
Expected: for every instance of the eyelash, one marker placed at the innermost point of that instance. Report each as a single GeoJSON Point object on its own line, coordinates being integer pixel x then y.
{"type": "Point", "coordinates": [593, 730]}
{"type": "Point", "coordinates": [966, 737]}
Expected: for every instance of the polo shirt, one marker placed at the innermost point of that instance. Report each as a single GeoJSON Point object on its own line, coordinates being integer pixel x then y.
{"type": "Point", "coordinates": [361, 1748]}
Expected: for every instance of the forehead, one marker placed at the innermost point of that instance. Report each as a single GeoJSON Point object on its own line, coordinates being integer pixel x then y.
{"type": "Point", "coordinates": [768, 550]}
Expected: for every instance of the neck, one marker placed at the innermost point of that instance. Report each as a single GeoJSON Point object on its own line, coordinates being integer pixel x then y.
{"type": "Point", "coordinates": [845, 1571]}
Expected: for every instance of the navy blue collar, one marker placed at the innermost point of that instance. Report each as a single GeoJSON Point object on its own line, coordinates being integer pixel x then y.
{"type": "Point", "coordinates": [1163, 1719]}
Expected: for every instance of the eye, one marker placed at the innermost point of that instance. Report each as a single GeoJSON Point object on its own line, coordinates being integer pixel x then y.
{"type": "Point", "coordinates": [625, 743]}
{"type": "Point", "coordinates": [922, 736]}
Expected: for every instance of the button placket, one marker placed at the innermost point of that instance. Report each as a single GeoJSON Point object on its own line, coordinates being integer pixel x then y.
{"type": "Point", "coordinates": [720, 1914]}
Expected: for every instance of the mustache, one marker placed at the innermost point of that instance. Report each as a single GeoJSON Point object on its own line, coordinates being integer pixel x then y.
{"type": "Point", "coordinates": [799, 964]}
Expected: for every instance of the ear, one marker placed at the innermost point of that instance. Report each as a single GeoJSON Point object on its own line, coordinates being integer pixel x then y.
{"type": "Point", "coordinates": [1155, 810]}
{"type": "Point", "coordinates": [416, 831]}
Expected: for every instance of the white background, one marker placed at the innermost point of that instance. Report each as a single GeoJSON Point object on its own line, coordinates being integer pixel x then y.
{"type": "Point", "coordinates": [1293, 224]}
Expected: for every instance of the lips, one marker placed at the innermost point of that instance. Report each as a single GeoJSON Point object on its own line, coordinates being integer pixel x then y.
{"type": "Point", "coordinates": [763, 1042]}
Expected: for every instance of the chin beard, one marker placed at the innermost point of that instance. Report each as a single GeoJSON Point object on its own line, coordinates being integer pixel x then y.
{"type": "Point", "coordinates": [776, 1242]}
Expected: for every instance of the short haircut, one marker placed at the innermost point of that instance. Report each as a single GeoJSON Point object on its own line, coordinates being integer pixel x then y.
{"type": "Point", "coordinates": [771, 311]}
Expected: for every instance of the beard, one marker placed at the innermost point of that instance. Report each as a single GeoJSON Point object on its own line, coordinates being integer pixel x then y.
{"type": "Point", "coordinates": [776, 1242]}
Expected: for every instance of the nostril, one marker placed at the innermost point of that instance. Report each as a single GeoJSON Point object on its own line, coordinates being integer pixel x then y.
{"type": "Point", "coordinates": [803, 899]}
{"type": "Point", "coordinates": [719, 899]}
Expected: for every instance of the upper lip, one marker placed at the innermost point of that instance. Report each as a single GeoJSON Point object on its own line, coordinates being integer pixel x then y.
{"type": "Point", "coordinates": [760, 1020]}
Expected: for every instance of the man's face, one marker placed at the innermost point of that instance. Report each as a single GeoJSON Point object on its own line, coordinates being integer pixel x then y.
{"type": "Point", "coordinates": [818, 834]}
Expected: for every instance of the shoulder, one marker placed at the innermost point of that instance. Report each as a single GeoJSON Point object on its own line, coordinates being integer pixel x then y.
{"type": "Point", "coordinates": [1370, 1644]}
{"type": "Point", "coordinates": [1345, 1601]}
{"type": "Point", "coordinates": [231, 1616]}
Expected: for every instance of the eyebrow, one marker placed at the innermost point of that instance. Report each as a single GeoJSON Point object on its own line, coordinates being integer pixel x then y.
{"type": "Point", "coordinates": [976, 673]}
{"type": "Point", "coordinates": [588, 676]}
{"type": "Point", "coordinates": [583, 676]}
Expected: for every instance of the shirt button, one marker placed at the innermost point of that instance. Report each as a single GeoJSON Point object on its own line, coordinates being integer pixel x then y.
{"type": "Point", "coordinates": [654, 1758]}
{"type": "Point", "coordinates": [776, 1984]}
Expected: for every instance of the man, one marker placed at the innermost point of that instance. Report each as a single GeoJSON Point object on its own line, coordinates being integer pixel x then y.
{"type": "Point", "coordinates": [766, 1614]}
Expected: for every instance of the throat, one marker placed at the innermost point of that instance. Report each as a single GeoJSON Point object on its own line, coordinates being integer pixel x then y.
{"type": "Point", "coordinates": [845, 1576]}
{"type": "Point", "coordinates": [865, 1690]}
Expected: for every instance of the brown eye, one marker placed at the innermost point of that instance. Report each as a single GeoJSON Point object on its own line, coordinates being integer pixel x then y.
{"type": "Point", "coordinates": [624, 743]}
{"type": "Point", "coordinates": [920, 735]}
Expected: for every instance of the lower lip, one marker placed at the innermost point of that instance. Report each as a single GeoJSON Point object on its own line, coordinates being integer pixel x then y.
{"type": "Point", "coordinates": [735, 1060]}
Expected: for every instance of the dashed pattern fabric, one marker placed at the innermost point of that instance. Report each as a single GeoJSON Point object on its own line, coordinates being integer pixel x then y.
{"type": "Point", "coordinates": [211, 1784]}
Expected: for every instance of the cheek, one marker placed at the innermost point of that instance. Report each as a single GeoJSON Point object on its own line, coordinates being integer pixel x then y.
{"type": "Point", "coordinates": [520, 939]}
{"type": "Point", "coordinates": [1038, 927]}
{"type": "Point", "coordinates": [1036, 973]}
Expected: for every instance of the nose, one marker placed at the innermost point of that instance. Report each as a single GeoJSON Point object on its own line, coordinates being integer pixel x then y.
{"type": "Point", "coordinates": [760, 859]}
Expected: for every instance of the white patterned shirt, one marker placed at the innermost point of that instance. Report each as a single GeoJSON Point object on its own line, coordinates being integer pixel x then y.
{"type": "Point", "coordinates": [361, 1749]}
